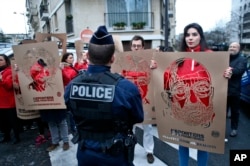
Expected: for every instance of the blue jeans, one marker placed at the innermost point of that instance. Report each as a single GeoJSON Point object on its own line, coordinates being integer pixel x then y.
{"type": "Point", "coordinates": [59, 131]}
{"type": "Point", "coordinates": [202, 156]}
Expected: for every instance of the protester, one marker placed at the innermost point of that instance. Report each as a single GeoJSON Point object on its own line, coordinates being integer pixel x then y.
{"type": "Point", "coordinates": [42, 126]}
{"type": "Point", "coordinates": [68, 73]}
{"type": "Point", "coordinates": [8, 114]}
{"type": "Point", "coordinates": [193, 41]}
{"type": "Point", "coordinates": [238, 65]}
{"type": "Point", "coordinates": [56, 119]}
{"type": "Point", "coordinates": [105, 117]}
{"type": "Point", "coordinates": [137, 43]}
{"type": "Point", "coordinates": [82, 62]}
{"type": "Point", "coordinates": [30, 123]}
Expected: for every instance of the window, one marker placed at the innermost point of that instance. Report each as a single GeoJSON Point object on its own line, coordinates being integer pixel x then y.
{"type": "Point", "coordinates": [128, 11]}
{"type": "Point", "coordinates": [56, 21]}
{"type": "Point", "coordinates": [69, 17]}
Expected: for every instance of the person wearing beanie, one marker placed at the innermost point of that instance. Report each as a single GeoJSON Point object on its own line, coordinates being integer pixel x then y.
{"type": "Point", "coordinates": [105, 107]}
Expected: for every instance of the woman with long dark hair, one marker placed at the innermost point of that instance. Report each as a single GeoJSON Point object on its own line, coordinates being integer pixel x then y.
{"type": "Point", "coordinates": [194, 41]}
{"type": "Point", "coordinates": [8, 114]}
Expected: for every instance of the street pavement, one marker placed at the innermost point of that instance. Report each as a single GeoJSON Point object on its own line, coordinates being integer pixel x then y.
{"type": "Point", "coordinates": [27, 154]}
{"type": "Point", "coordinates": [58, 157]}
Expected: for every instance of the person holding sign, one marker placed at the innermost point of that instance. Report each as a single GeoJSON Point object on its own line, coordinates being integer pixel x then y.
{"type": "Point", "coordinates": [188, 86]}
{"type": "Point", "coordinates": [8, 114]}
{"type": "Point", "coordinates": [137, 43]}
{"type": "Point", "coordinates": [238, 66]}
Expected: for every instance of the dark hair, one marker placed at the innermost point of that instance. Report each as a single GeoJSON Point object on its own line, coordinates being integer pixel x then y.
{"type": "Point", "coordinates": [6, 58]}
{"type": "Point", "coordinates": [65, 56]}
{"type": "Point", "coordinates": [100, 54]}
{"type": "Point", "coordinates": [203, 43]}
{"type": "Point", "coordinates": [137, 37]}
{"type": "Point", "coordinates": [41, 62]}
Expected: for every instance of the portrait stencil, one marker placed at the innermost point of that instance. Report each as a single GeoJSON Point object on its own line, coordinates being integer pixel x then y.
{"type": "Point", "coordinates": [20, 106]}
{"type": "Point", "coordinates": [135, 66]}
{"type": "Point", "coordinates": [39, 76]}
{"type": "Point", "coordinates": [190, 98]}
{"type": "Point", "coordinates": [188, 92]}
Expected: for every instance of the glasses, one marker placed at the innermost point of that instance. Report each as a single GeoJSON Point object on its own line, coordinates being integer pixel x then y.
{"type": "Point", "coordinates": [201, 89]}
{"type": "Point", "coordinates": [137, 46]}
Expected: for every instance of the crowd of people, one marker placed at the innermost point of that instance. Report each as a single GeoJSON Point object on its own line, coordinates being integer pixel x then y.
{"type": "Point", "coordinates": [101, 122]}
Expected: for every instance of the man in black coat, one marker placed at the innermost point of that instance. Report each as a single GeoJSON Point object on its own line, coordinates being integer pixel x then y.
{"type": "Point", "coordinates": [238, 66]}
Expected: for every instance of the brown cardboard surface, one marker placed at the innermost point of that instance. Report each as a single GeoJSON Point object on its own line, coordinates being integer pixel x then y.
{"type": "Point", "coordinates": [135, 62]}
{"type": "Point", "coordinates": [118, 43]}
{"type": "Point", "coordinates": [40, 37]}
{"type": "Point", "coordinates": [20, 108]}
{"type": "Point", "coordinates": [41, 87]}
{"type": "Point", "coordinates": [190, 129]}
{"type": "Point", "coordinates": [79, 49]}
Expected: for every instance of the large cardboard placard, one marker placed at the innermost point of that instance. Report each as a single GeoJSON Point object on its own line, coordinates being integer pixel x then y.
{"type": "Point", "coordinates": [20, 108]}
{"type": "Point", "coordinates": [39, 76]}
{"type": "Point", "coordinates": [190, 99]}
{"type": "Point", "coordinates": [118, 43]}
{"type": "Point", "coordinates": [79, 49]}
{"type": "Point", "coordinates": [41, 37]}
{"type": "Point", "coordinates": [135, 66]}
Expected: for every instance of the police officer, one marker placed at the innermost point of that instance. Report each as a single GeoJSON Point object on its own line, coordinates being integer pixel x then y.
{"type": "Point", "coordinates": [105, 107]}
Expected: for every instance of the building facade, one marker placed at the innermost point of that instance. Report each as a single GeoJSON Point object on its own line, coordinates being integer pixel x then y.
{"type": "Point", "coordinates": [240, 21]}
{"type": "Point", "coordinates": [125, 18]}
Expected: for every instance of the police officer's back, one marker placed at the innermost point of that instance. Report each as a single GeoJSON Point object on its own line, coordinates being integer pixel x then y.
{"type": "Point", "coordinates": [105, 107]}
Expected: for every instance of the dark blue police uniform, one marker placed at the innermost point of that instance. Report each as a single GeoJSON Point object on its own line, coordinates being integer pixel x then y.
{"type": "Point", "coordinates": [126, 105]}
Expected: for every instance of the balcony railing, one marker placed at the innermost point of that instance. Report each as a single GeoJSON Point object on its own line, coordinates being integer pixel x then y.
{"type": "Point", "coordinates": [129, 19]}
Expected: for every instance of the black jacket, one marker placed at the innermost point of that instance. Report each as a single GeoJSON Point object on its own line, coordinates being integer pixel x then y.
{"type": "Point", "coordinates": [239, 65]}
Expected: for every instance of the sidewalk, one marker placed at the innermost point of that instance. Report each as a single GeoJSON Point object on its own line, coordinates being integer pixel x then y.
{"type": "Point", "coordinates": [58, 157]}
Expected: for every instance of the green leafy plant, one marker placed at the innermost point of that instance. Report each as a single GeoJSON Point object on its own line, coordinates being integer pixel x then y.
{"type": "Point", "coordinates": [138, 25]}
{"type": "Point", "coordinates": [119, 25]}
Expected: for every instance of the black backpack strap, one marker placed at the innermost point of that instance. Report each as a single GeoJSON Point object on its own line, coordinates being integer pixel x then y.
{"type": "Point", "coordinates": [114, 76]}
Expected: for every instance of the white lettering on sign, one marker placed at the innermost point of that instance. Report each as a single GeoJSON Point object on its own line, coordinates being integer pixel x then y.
{"type": "Point", "coordinates": [95, 92]}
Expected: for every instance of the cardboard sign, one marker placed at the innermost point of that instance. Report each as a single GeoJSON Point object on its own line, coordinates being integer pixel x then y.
{"type": "Point", "coordinates": [79, 49]}
{"type": "Point", "coordinates": [40, 37]}
{"type": "Point", "coordinates": [135, 66]}
{"type": "Point", "coordinates": [20, 107]}
{"type": "Point", "coordinates": [40, 78]}
{"type": "Point", "coordinates": [190, 99]}
{"type": "Point", "coordinates": [118, 43]}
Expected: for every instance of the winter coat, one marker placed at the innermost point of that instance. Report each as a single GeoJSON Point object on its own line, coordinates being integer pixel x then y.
{"type": "Point", "coordinates": [7, 99]}
{"type": "Point", "coordinates": [68, 73]}
{"type": "Point", "coordinates": [239, 65]}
